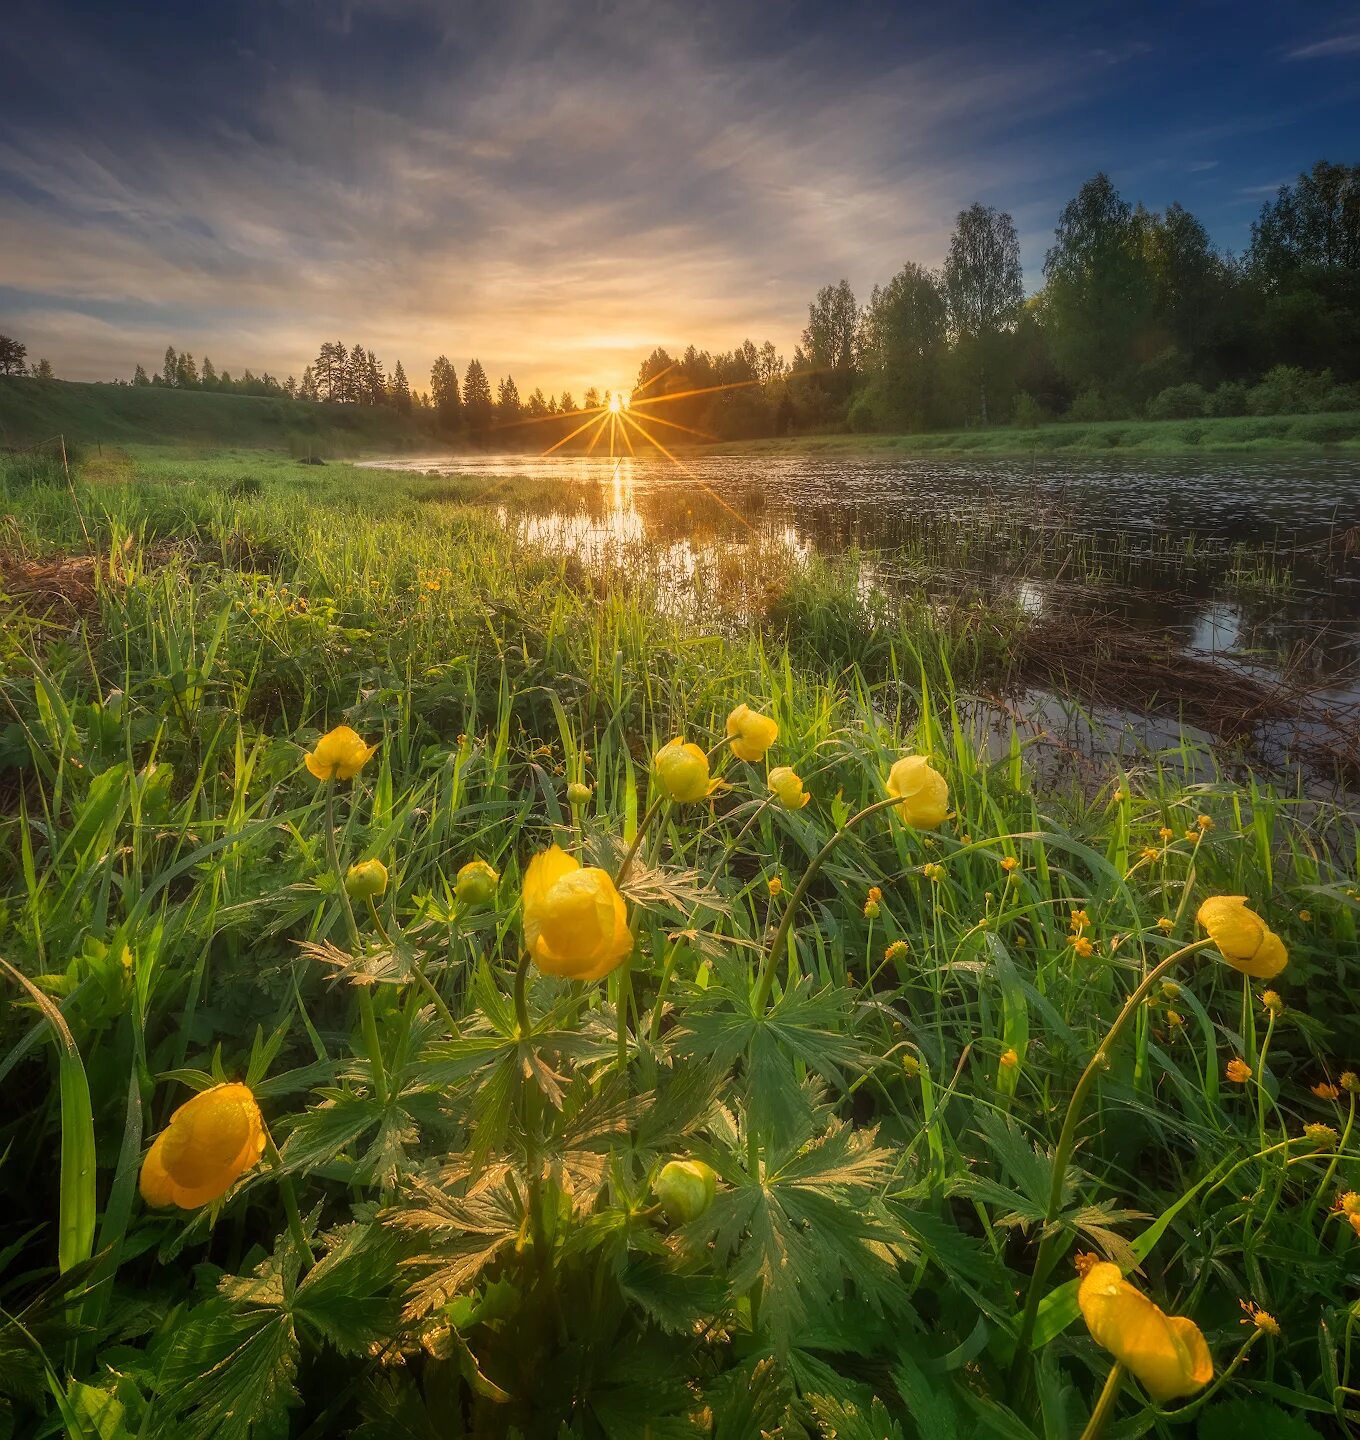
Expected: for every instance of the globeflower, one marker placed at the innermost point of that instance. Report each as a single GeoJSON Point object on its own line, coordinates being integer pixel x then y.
{"type": "Point", "coordinates": [1238, 1071]}
{"type": "Point", "coordinates": [1166, 1353]}
{"type": "Point", "coordinates": [575, 922]}
{"type": "Point", "coordinates": [786, 786]}
{"type": "Point", "coordinates": [211, 1140]}
{"type": "Point", "coordinates": [751, 733]}
{"type": "Point", "coordinates": [1244, 940]}
{"type": "Point", "coordinates": [366, 881]}
{"type": "Point", "coordinates": [339, 755]}
{"type": "Point", "coordinates": [923, 791]}
{"type": "Point", "coordinates": [475, 883]}
{"type": "Point", "coordinates": [681, 769]}
{"type": "Point", "coordinates": [686, 1189]}
{"type": "Point", "coordinates": [579, 793]}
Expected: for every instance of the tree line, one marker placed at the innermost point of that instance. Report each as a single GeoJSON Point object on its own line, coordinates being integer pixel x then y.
{"type": "Point", "coordinates": [1138, 314]}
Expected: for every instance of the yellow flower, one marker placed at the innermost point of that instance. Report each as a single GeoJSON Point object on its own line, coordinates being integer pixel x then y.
{"type": "Point", "coordinates": [1305, 916]}
{"type": "Point", "coordinates": [1150, 854]}
{"type": "Point", "coordinates": [1244, 940]}
{"type": "Point", "coordinates": [1118, 797]}
{"type": "Point", "coordinates": [1166, 924]}
{"type": "Point", "coordinates": [1325, 1091]}
{"type": "Point", "coordinates": [922, 790]}
{"type": "Point", "coordinates": [911, 1066]}
{"type": "Point", "coordinates": [1262, 1319]}
{"type": "Point", "coordinates": [211, 1140]}
{"type": "Point", "coordinates": [1192, 835]}
{"type": "Point", "coordinates": [933, 871]}
{"type": "Point", "coordinates": [1009, 863]}
{"type": "Point", "coordinates": [751, 733]}
{"type": "Point", "coordinates": [681, 769]}
{"type": "Point", "coordinates": [1175, 1019]}
{"type": "Point", "coordinates": [787, 786]}
{"type": "Point", "coordinates": [1166, 1353]}
{"type": "Point", "coordinates": [1080, 920]}
{"type": "Point", "coordinates": [1009, 1059]}
{"type": "Point", "coordinates": [1350, 1082]}
{"type": "Point", "coordinates": [1274, 1005]}
{"type": "Point", "coordinates": [575, 923]}
{"type": "Point", "coordinates": [366, 881]}
{"type": "Point", "coordinates": [339, 755]}
{"type": "Point", "coordinates": [686, 1189]}
{"type": "Point", "coordinates": [1238, 1071]}
{"type": "Point", "coordinates": [896, 951]}
{"type": "Point", "coordinates": [775, 886]}
{"type": "Point", "coordinates": [871, 910]}
{"type": "Point", "coordinates": [1349, 1203]}
{"type": "Point", "coordinates": [1082, 946]}
{"type": "Point", "coordinates": [1164, 833]}
{"type": "Point", "coordinates": [875, 894]}
{"type": "Point", "coordinates": [579, 793]}
{"type": "Point", "coordinates": [475, 883]}
{"type": "Point", "coordinates": [1170, 990]}
{"type": "Point", "coordinates": [1323, 1136]}
{"type": "Point", "coordinates": [1204, 822]}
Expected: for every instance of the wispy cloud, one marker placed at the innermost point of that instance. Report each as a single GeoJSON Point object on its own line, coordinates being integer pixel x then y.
{"type": "Point", "coordinates": [1347, 44]}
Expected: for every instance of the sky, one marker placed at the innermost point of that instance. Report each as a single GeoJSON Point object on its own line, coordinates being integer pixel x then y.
{"type": "Point", "coordinates": [555, 188]}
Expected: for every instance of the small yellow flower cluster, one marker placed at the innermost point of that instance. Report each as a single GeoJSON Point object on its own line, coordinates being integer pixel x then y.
{"type": "Point", "coordinates": [1238, 1071]}
{"type": "Point", "coordinates": [896, 951]}
{"type": "Point", "coordinates": [932, 871]}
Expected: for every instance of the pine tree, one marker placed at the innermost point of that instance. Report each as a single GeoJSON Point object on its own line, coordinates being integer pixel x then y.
{"type": "Point", "coordinates": [208, 377]}
{"type": "Point", "coordinates": [477, 405]}
{"type": "Point", "coordinates": [400, 391]}
{"type": "Point", "coordinates": [356, 376]}
{"type": "Point", "coordinates": [186, 372]}
{"type": "Point", "coordinates": [508, 407]}
{"type": "Point", "coordinates": [448, 403]}
{"type": "Point", "coordinates": [307, 389]}
{"type": "Point", "coordinates": [375, 382]}
{"type": "Point", "coordinates": [139, 376]}
{"type": "Point", "coordinates": [169, 370]}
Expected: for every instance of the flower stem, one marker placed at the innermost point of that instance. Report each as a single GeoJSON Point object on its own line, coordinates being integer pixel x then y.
{"type": "Point", "coordinates": [1047, 1255]}
{"type": "Point", "coordinates": [1105, 1404]}
{"type": "Point", "coordinates": [522, 997]}
{"type": "Point", "coordinates": [627, 864]}
{"type": "Point", "coordinates": [367, 1019]}
{"type": "Point", "coordinates": [289, 1197]}
{"type": "Point", "coordinates": [766, 982]}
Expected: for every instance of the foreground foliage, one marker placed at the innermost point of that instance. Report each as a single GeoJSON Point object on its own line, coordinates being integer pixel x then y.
{"type": "Point", "coordinates": [816, 1144]}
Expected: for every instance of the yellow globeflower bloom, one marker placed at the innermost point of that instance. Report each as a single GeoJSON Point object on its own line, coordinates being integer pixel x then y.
{"type": "Point", "coordinates": [787, 786]}
{"type": "Point", "coordinates": [1244, 940]}
{"type": "Point", "coordinates": [575, 923]}
{"type": "Point", "coordinates": [751, 733]}
{"type": "Point", "coordinates": [921, 789]}
{"type": "Point", "coordinates": [1166, 1353]}
{"type": "Point", "coordinates": [210, 1141]}
{"type": "Point", "coordinates": [339, 755]}
{"type": "Point", "coordinates": [681, 769]}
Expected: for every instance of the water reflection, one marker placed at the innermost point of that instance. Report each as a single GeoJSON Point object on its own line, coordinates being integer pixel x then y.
{"type": "Point", "coordinates": [1251, 560]}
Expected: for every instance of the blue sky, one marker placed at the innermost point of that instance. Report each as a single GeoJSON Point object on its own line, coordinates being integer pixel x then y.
{"type": "Point", "coordinates": [555, 188]}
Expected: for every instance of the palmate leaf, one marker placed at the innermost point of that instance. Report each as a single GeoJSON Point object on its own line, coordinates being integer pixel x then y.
{"type": "Point", "coordinates": [749, 1404]}
{"type": "Point", "coordinates": [675, 1300]}
{"type": "Point", "coordinates": [460, 1233]}
{"type": "Point", "coordinates": [845, 1420]}
{"type": "Point", "coordinates": [814, 1222]}
{"type": "Point", "coordinates": [349, 1297]}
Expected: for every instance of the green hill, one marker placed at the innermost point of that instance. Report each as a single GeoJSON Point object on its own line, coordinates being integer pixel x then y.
{"type": "Point", "coordinates": [35, 410]}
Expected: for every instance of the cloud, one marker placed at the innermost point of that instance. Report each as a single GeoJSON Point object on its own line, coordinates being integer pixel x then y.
{"type": "Point", "coordinates": [555, 198]}
{"type": "Point", "coordinates": [1348, 44]}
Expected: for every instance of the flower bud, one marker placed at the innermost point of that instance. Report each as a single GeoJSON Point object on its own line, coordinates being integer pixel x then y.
{"type": "Point", "coordinates": [366, 881]}
{"type": "Point", "coordinates": [681, 770]}
{"type": "Point", "coordinates": [476, 883]}
{"type": "Point", "coordinates": [685, 1189]}
{"type": "Point", "coordinates": [579, 793]}
{"type": "Point", "coordinates": [786, 786]}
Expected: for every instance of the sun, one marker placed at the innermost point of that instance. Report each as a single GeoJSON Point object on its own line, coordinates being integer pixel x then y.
{"type": "Point", "coordinates": [618, 403]}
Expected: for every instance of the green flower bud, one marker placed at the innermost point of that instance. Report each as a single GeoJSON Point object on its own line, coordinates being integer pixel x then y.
{"type": "Point", "coordinates": [578, 793]}
{"type": "Point", "coordinates": [366, 881]}
{"type": "Point", "coordinates": [476, 883]}
{"type": "Point", "coordinates": [685, 1189]}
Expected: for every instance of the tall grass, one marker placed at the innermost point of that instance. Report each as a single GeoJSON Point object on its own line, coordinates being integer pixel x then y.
{"type": "Point", "coordinates": [477, 1250]}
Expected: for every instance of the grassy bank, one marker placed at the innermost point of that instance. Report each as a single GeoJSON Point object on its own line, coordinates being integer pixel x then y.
{"type": "Point", "coordinates": [457, 1223]}
{"type": "Point", "coordinates": [1152, 437]}
{"type": "Point", "coordinates": [32, 411]}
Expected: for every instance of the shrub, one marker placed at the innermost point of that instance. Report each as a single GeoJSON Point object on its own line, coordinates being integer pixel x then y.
{"type": "Point", "coordinates": [863, 418]}
{"type": "Point", "coordinates": [1178, 402]}
{"type": "Point", "coordinates": [1289, 390]}
{"type": "Point", "coordinates": [1026, 413]}
{"type": "Point", "coordinates": [1089, 405]}
{"type": "Point", "coordinates": [1229, 399]}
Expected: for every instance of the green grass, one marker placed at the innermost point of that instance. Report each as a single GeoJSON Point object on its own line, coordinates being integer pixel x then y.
{"type": "Point", "coordinates": [33, 411]}
{"type": "Point", "coordinates": [1152, 437]}
{"type": "Point", "coordinates": [457, 1234]}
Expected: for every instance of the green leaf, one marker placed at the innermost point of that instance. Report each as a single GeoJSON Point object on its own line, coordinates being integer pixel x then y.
{"type": "Point", "coordinates": [1248, 1416]}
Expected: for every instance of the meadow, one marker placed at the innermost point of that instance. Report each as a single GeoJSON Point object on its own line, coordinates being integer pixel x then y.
{"type": "Point", "coordinates": [923, 1106]}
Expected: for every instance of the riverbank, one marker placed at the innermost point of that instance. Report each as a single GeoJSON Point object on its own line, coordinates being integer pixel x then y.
{"type": "Point", "coordinates": [1253, 433]}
